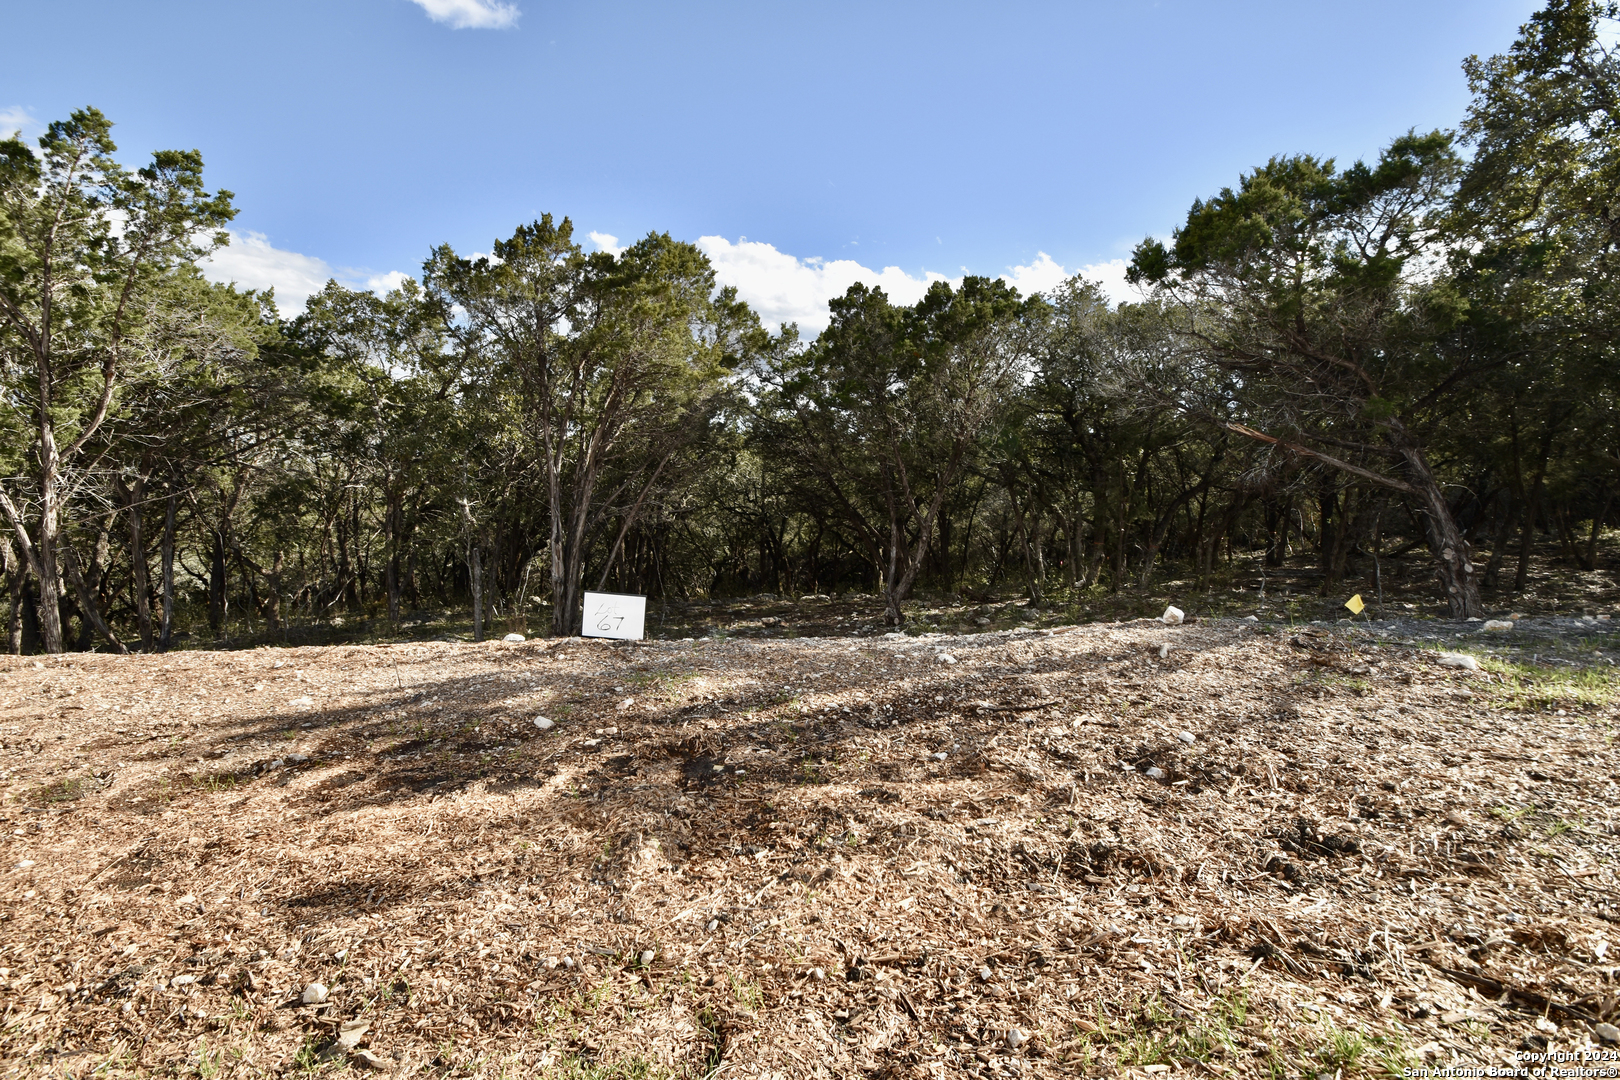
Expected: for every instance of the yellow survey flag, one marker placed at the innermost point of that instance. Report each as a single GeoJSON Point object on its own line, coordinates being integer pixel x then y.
{"type": "Point", "coordinates": [1354, 604]}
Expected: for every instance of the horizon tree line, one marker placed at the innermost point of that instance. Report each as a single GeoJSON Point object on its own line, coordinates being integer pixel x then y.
{"type": "Point", "coordinates": [1416, 352]}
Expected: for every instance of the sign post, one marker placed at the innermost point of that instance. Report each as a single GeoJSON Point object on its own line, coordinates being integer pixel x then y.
{"type": "Point", "coordinates": [614, 615]}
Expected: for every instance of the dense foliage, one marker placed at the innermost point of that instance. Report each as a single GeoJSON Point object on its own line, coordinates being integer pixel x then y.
{"type": "Point", "coordinates": [1417, 352]}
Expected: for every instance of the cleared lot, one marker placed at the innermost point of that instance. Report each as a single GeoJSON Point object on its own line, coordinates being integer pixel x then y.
{"type": "Point", "coordinates": [1213, 848]}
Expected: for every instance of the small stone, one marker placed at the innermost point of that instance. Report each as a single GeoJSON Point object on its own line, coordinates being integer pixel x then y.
{"type": "Point", "coordinates": [568, 962]}
{"type": "Point", "coordinates": [1251, 618]}
{"type": "Point", "coordinates": [315, 993]}
{"type": "Point", "coordinates": [894, 635]}
{"type": "Point", "coordinates": [1164, 649]}
{"type": "Point", "coordinates": [1154, 773]}
{"type": "Point", "coordinates": [1546, 1026]}
{"type": "Point", "coordinates": [817, 974]}
{"type": "Point", "coordinates": [1173, 616]}
{"type": "Point", "coordinates": [182, 980]}
{"type": "Point", "coordinates": [515, 639]}
{"type": "Point", "coordinates": [1493, 626]}
{"type": "Point", "coordinates": [1459, 660]}
{"type": "Point", "coordinates": [1187, 737]}
{"type": "Point", "coordinates": [297, 759]}
{"type": "Point", "coordinates": [1607, 1032]}
{"type": "Point", "coordinates": [302, 703]}
{"type": "Point", "coordinates": [626, 703]}
{"type": "Point", "coordinates": [985, 974]}
{"type": "Point", "coordinates": [278, 763]}
{"type": "Point", "coordinates": [1182, 922]}
{"type": "Point", "coordinates": [940, 755]}
{"type": "Point", "coordinates": [1016, 1038]}
{"type": "Point", "coordinates": [543, 724]}
{"type": "Point", "coordinates": [980, 621]}
{"type": "Point", "coordinates": [945, 658]}
{"type": "Point", "coordinates": [714, 924]}
{"type": "Point", "coordinates": [351, 1032]}
{"type": "Point", "coordinates": [647, 957]}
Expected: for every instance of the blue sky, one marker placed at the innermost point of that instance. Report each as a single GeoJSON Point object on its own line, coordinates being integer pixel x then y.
{"type": "Point", "coordinates": [805, 146]}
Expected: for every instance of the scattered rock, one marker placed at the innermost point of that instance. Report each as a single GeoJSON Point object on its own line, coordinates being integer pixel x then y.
{"type": "Point", "coordinates": [1016, 1038]}
{"type": "Point", "coordinates": [894, 635]}
{"type": "Point", "coordinates": [1154, 773]}
{"type": "Point", "coordinates": [182, 980]}
{"type": "Point", "coordinates": [1498, 625]}
{"type": "Point", "coordinates": [543, 724]}
{"type": "Point", "coordinates": [945, 658]}
{"type": "Point", "coordinates": [647, 957]}
{"type": "Point", "coordinates": [1459, 660]}
{"type": "Point", "coordinates": [980, 621]}
{"type": "Point", "coordinates": [297, 759]}
{"type": "Point", "coordinates": [1606, 1032]}
{"type": "Point", "coordinates": [1187, 737]}
{"type": "Point", "coordinates": [302, 703]}
{"type": "Point", "coordinates": [817, 974]}
{"type": "Point", "coordinates": [1164, 649]}
{"type": "Point", "coordinates": [1251, 618]}
{"type": "Point", "coordinates": [350, 1034]}
{"type": "Point", "coordinates": [939, 756]}
{"type": "Point", "coordinates": [1173, 616]}
{"type": "Point", "coordinates": [985, 974]}
{"type": "Point", "coordinates": [1546, 1026]}
{"type": "Point", "coordinates": [1183, 922]}
{"type": "Point", "coordinates": [515, 639]}
{"type": "Point", "coordinates": [315, 993]}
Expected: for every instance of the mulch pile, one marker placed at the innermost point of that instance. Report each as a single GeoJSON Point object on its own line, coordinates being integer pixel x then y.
{"type": "Point", "coordinates": [1220, 849]}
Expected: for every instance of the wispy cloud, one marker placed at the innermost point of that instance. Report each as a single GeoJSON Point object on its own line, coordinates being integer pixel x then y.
{"type": "Point", "coordinates": [471, 14]}
{"type": "Point", "coordinates": [783, 289]}
{"type": "Point", "coordinates": [14, 119]}
{"type": "Point", "coordinates": [252, 262]}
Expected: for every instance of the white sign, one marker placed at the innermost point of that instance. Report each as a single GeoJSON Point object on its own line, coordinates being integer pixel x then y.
{"type": "Point", "coordinates": [614, 615]}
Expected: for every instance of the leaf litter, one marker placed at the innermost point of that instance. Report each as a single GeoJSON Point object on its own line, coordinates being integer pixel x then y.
{"type": "Point", "coordinates": [1066, 852]}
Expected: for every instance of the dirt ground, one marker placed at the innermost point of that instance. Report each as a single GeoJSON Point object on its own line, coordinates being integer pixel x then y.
{"type": "Point", "coordinates": [1226, 848]}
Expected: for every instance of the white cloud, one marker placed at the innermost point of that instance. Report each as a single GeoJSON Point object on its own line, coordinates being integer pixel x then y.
{"type": "Point", "coordinates": [18, 119]}
{"type": "Point", "coordinates": [607, 242]}
{"type": "Point", "coordinates": [251, 262]}
{"type": "Point", "coordinates": [382, 284]}
{"type": "Point", "coordinates": [1040, 276]}
{"type": "Point", "coordinates": [471, 14]}
{"type": "Point", "coordinates": [1111, 276]}
{"type": "Point", "coordinates": [784, 289]}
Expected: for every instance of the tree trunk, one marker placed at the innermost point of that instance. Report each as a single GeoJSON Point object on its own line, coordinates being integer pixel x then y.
{"type": "Point", "coordinates": [475, 566]}
{"type": "Point", "coordinates": [14, 586]}
{"type": "Point", "coordinates": [1454, 564]}
{"type": "Point", "coordinates": [272, 607]}
{"type": "Point", "coordinates": [217, 586]}
{"type": "Point", "coordinates": [391, 521]}
{"type": "Point", "coordinates": [166, 619]}
{"type": "Point", "coordinates": [1589, 560]}
{"type": "Point", "coordinates": [85, 592]}
{"type": "Point", "coordinates": [140, 586]}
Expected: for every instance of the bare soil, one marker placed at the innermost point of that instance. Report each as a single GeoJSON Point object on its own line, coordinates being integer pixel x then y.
{"type": "Point", "coordinates": [935, 856]}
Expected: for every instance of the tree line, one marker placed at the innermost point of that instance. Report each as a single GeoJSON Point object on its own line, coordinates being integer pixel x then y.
{"type": "Point", "coordinates": [1411, 353]}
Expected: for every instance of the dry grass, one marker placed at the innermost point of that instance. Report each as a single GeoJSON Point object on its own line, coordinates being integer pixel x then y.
{"type": "Point", "coordinates": [1363, 860]}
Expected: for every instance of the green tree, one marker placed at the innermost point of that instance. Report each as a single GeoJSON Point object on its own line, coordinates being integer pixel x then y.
{"type": "Point", "coordinates": [612, 358]}
{"type": "Point", "coordinates": [86, 249]}
{"type": "Point", "coordinates": [1319, 288]}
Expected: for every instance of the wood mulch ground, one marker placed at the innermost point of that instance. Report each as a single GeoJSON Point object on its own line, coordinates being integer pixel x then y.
{"type": "Point", "coordinates": [1222, 849]}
